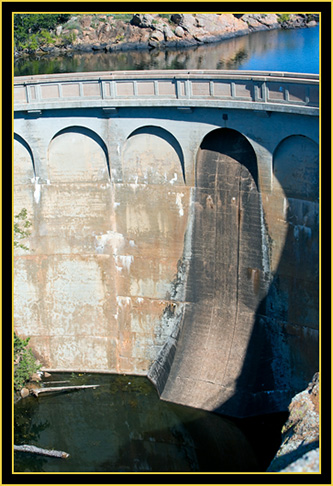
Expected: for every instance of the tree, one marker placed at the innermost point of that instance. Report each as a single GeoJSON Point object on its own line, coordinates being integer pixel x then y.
{"type": "Point", "coordinates": [32, 29]}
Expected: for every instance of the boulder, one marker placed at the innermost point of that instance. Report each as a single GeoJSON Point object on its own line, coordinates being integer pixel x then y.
{"type": "Point", "coordinates": [254, 21]}
{"type": "Point", "coordinates": [300, 434]}
{"type": "Point", "coordinates": [189, 23]}
{"type": "Point", "coordinates": [157, 35]}
{"type": "Point", "coordinates": [270, 20]}
{"type": "Point", "coordinates": [24, 392]}
{"type": "Point", "coordinates": [179, 31]}
{"type": "Point", "coordinates": [177, 18]}
{"type": "Point", "coordinates": [168, 34]}
{"type": "Point", "coordinates": [142, 20]}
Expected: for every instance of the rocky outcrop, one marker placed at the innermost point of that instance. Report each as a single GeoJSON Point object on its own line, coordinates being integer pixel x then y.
{"type": "Point", "coordinates": [261, 21]}
{"type": "Point", "coordinates": [299, 451]}
{"type": "Point", "coordinates": [148, 31]}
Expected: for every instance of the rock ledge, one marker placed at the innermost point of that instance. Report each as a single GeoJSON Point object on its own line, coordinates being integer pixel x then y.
{"type": "Point", "coordinates": [299, 451]}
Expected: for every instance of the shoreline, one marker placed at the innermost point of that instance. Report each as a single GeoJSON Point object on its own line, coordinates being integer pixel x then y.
{"type": "Point", "coordinates": [146, 33]}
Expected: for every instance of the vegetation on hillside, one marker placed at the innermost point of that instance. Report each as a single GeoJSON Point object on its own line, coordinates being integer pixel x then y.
{"type": "Point", "coordinates": [33, 30]}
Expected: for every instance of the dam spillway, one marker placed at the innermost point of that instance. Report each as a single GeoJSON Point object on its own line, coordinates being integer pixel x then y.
{"type": "Point", "coordinates": [175, 230]}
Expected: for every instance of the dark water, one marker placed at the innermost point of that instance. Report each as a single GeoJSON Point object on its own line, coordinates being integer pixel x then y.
{"type": "Point", "coordinates": [123, 426]}
{"type": "Point", "coordinates": [295, 50]}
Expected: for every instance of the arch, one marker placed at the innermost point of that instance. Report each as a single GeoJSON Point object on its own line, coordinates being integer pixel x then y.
{"type": "Point", "coordinates": [154, 150]}
{"type": "Point", "coordinates": [76, 139]}
{"type": "Point", "coordinates": [22, 152]}
{"type": "Point", "coordinates": [233, 145]}
{"type": "Point", "coordinates": [296, 167]}
{"type": "Point", "coordinates": [295, 290]}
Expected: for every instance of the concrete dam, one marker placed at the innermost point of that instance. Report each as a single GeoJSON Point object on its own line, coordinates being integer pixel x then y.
{"type": "Point", "coordinates": [175, 230]}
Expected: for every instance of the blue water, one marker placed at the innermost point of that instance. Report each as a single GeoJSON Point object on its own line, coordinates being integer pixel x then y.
{"type": "Point", "coordinates": [295, 50]}
{"type": "Point", "coordinates": [284, 50]}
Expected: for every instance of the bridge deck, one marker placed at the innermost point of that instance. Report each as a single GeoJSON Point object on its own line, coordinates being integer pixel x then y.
{"type": "Point", "coordinates": [259, 90]}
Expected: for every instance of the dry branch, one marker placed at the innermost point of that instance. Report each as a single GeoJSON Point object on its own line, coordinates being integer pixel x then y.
{"type": "Point", "coordinates": [37, 391]}
{"type": "Point", "coordinates": [38, 450]}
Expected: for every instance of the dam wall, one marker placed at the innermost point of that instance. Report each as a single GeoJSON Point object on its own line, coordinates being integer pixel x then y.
{"type": "Point", "coordinates": [175, 231]}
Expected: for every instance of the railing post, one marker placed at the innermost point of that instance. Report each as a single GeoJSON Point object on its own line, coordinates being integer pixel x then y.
{"type": "Point", "coordinates": [178, 89]}
{"type": "Point", "coordinates": [233, 89]}
{"type": "Point", "coordinates": [264, 92]}
{"type": "Point", "coordinates": [156, 91]}
{"type": "Point", "coordinates": [112, 85]}
{"type": "Point", "coordinates": [188, 88]}
{"type": "Point", "coordinates": [102, 88]}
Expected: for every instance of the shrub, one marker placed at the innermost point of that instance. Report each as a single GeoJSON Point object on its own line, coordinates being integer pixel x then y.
{"type": "Point", "coordinates": [25, 364]}
{"type": "Point", "coordinates": [21, 225]}
{"type": "Point", "coordinates": [283, 18]}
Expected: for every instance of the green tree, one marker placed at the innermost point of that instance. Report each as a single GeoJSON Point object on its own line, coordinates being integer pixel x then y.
{"type": "Point", "coordinates": [31, 29]}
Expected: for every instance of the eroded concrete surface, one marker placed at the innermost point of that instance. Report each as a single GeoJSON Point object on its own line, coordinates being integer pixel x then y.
{"type": "Point", "coordinates": [201, 273]}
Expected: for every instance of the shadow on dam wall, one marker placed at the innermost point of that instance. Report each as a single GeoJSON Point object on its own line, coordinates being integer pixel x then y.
{"type": "Point", "coordinates": [248, 334]}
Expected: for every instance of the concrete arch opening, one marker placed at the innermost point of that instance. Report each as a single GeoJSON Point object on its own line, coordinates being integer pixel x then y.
{"type": "Point", "coordinates": [78, 154]}
{"type": "Point", "coordinates": [23, 161]}
{"type": "Point", "coordinates": [221, 147]}
{"type": "Point", "coordinates": [296, 167]}
{"type": "Point", "coordinates": [293, 298]}
{"type": "Point", "coordinates": [153, 155]}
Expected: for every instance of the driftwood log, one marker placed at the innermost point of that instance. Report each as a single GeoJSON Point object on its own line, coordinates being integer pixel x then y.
{"type": "Point", "coordinates": [38, 450]}
{"type": "Point", "coordinates": [37, 391]}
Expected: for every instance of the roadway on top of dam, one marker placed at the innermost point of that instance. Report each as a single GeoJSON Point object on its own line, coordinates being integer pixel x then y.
{"type": "Point", "coordinates": [246, 90]}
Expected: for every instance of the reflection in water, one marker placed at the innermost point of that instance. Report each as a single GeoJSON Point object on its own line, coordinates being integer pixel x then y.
{"type": "Point", "coordinates": [124, 426]}
{"type": "Point", "coordinates": [277, 50]}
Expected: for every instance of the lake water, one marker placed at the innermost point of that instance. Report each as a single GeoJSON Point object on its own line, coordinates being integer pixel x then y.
{"type": "Point", "coordinates": [294, 50]}
{"type": "Point", "coordinates": [123, 426]}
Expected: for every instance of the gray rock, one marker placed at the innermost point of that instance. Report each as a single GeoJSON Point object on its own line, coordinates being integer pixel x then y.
{"type": "Point", "coordinates": [153, 43]}
{"type": "Point", "coordinates": [300, 434]}
{"type": "Point", "coordinates": [179, 31]}
{"type": "Point", "coordinates": [142, 20]}
{"type": "Point", "coordinates": [24, 392]}
{"type": "Point", "coordinates": [157, 35]}
{"type": "Point", "coordinates": [168, 34]}
{"type": "Point", "coordinates": [309, 462]}
{"type": "Point", "coordinates": [177, 18]}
